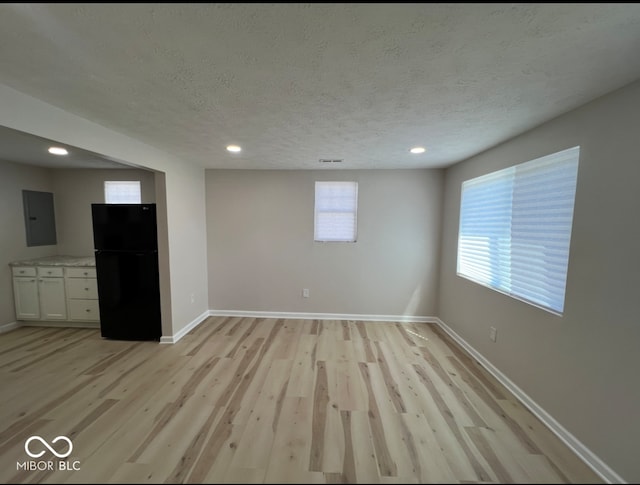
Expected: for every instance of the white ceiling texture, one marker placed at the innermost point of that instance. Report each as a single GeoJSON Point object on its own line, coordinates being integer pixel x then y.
{"type": "Point", "coordinates": [295, 83]}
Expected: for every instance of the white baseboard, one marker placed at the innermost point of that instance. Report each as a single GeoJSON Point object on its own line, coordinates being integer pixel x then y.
{"type": "Point", "coordinates": [323, 316]}
{"type": "Point", "coordinates": [584, 453]}
{"type": "Point", "coordinates": [7, 327]}
{"type": "Point", "coordinates": [59, 324]}
{"type": "Point", "coordinates": [172, 339]}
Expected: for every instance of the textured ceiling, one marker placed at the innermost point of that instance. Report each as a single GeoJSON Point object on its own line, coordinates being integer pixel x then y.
{"type": "Point", "coordinates": [294, 83]}
{"type": "Point", "coordinates": [17, 146]}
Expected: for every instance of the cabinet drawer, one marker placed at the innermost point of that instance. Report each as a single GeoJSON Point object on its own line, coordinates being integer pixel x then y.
{"type": "Point", "coordinates": [81, 272]}
{"type": "Point", "coordinates": [84, 310]}
{"type": "Point", "coordinates": [50, 271]}
{"type": "Point", "coordinates": [24, 271]}
{"type": "Point", "coordinates": [82, 288]}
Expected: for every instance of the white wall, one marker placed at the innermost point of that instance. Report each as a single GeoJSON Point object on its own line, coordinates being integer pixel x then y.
{"type": "Point", "coordinates": [185, 190]}
{"type": "Point", "coordinates": [184, 259]}
{"type": "Point", "coordinates": [75, 190]}
{"type": "Point", "coordinates": [582, 368]}
{"type": "Point", "coordinates": [262, 254]}
{"type": "Point", "coordinates": [14, 178]}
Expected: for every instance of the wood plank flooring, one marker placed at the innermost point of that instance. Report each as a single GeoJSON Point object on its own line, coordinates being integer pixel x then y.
{"type": "Point", "coordinates": [253, 400]}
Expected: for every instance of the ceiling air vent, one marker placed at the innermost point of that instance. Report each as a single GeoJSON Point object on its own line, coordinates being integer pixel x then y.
{"type": "Point", "coordinates": [330, 160]}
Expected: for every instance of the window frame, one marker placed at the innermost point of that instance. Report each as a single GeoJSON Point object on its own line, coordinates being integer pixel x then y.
{"type": "Point", "coordinates": [108, 183]}
{"type": "Point", "coordinates": [322, 238]}
{"type": "Point", "coordinates": [492, 249]}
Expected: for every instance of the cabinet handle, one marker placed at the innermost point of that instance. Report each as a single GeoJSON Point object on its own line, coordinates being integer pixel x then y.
{"type": "Point", "coordinates": [85, 273]}
{"type": "Point", "coordinates": [21, 271]}
{"type": "Point", "coordinates": [86, 289]}
{"type": "Point", "coordinates": [88, 311]}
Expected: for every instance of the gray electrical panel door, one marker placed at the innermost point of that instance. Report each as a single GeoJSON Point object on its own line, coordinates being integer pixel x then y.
{"type": "Point", "coordinates": [39, 218]}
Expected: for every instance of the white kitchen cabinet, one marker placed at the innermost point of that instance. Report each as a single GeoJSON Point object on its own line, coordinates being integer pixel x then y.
{"type": "Point", "coordinates": [53, 303]}
{"type": "Point", "coordinates": [59, 292]}
{"type": "Point", "coordinates": [82, 294]}
{"type": "Point", "coordinates": [39, 293]}
{"type": "Point", "coordinates": [25, 290]}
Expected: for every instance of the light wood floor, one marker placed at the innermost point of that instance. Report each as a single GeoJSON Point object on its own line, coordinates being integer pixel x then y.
{"type": "Point", "coordinates": [249, 400]}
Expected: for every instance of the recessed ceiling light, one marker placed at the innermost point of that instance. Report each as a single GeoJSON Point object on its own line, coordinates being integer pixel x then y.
{"type": "Point", "coordinates": [417, 150]}
{"type": "Point", "coordinates": [58, 151]}
{"type": "Point", "coordinates": [234, 148]}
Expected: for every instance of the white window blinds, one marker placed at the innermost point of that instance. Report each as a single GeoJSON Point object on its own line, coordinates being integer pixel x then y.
{"type": "Point", "coordinates": [336, 207]}
{"type": "Point", "coordinates": [515, 229]}
{"type": "Point", "coordinates": [122, 192]}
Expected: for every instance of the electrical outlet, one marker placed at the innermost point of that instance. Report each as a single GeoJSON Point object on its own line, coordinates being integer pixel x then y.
{"type": "Point", "coordinates": [493, 333]}
{"type": "Point", "coordinates": [193, 298]}
{"type": "Point", "coordinates": [305, 292]}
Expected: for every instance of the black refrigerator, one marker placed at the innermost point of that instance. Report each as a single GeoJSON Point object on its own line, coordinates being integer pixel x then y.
{"type": "Point", "coordinates": [126, 251]}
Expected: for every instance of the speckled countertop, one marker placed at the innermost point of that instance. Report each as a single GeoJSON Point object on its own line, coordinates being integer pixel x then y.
{"type": "Point", "coordinates": [57, 261]}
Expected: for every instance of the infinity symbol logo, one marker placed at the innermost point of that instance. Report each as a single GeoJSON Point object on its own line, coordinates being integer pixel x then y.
{"type": "Point", "coordinates": [41, 440]}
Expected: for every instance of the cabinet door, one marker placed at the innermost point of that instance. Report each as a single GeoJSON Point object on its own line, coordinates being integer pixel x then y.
{"type": "Point", "coordinates": [53, 305]}
{"type": "Point", "coordinates": [25, 291]}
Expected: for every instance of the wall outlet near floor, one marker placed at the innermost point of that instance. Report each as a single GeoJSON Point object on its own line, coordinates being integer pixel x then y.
{"type": "Point", "coordinates": [193, 298]}
{"type": "Point", "coordinates": [493, 333]}
{"type": "Point", "coordinates": [305, 292]}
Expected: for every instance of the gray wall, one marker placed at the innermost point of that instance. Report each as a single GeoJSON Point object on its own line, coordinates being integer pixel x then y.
{"type": "Point", "coordinates": [75, 191]}
{"type": "Point", "coordinates": [582, 368]}
{"type": "Point", "coordinates": [187, 244]}
{"type": "Point", "coordinates": [14, 178]}
{"type": "Point", "coordinates": [261, 251]}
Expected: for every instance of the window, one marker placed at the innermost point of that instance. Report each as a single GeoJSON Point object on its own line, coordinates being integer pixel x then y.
{"type": "Point", "coordinates": [336, 211]}
{"type": "Point", "coordinates": [515, 229]}
{"type": "Point", "coordinates": [122, 192]}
